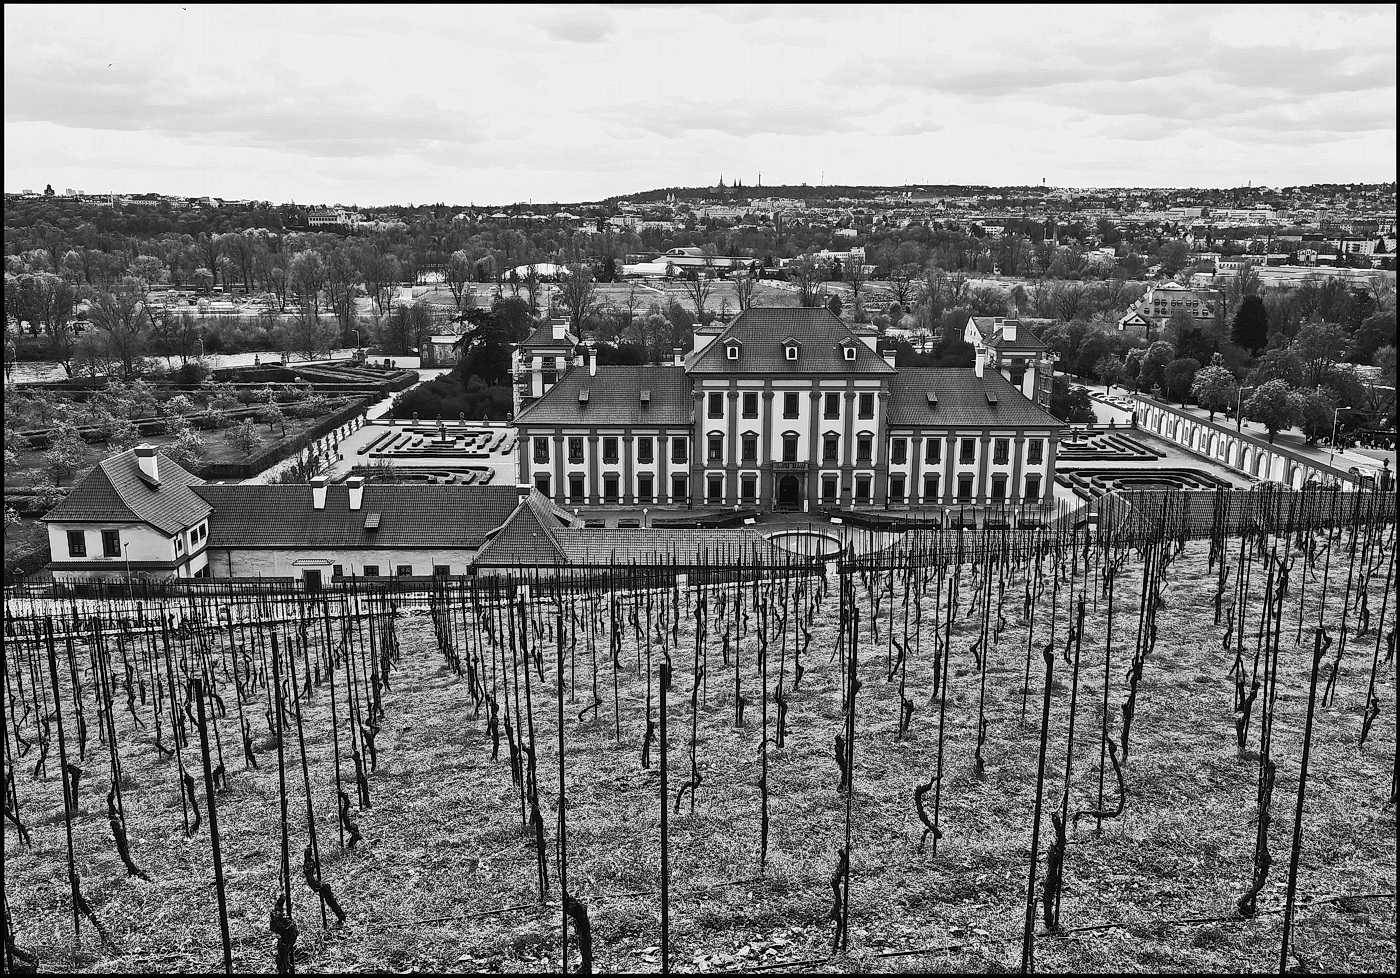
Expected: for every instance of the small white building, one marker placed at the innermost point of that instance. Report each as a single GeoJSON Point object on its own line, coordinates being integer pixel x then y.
{"type": "Point", "coordinates": [135, 514]}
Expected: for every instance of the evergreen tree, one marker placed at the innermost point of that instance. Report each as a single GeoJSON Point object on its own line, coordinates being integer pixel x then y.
{"type": "Point", "coordinates": [1251, 326]}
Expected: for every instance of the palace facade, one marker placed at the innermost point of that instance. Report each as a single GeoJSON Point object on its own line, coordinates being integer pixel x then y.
{"type": "Point", "coordinates": [787, 409]}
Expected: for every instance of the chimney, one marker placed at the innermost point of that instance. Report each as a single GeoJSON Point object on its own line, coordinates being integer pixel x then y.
{"type": "Point", "coordinates": [1008, 330]}
{"type": "Point", "coordinates": [558, 327]}
{"type": "Point", "coordinates": [318, 492]}
{"type": "Point", "coordinates": [977, 363]}
{"type": "Point", "coordinates": [679, 353]}
{"type": "Point", "coordinates": [592, 362]}
{"type": "Point", "coordinates": [146, 459]}
{"type": "Point", "coordinates": [356, 485]}
{"type": "Point", "coordinates": [889, 356]}
{"type": "Point", "coordinates": [523, 490]}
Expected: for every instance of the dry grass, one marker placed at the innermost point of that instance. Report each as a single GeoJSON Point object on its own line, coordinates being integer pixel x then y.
{"type": "Point", "coordinates": [445, 854]}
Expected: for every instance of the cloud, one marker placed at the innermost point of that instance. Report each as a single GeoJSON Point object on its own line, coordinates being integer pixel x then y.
{"type": "Point", "coordinates": [337, 121]}
{"type": "Point", "coordinates": [739, 117]}
{"type": "Point", "coordinates": [584, 25]}
{"type": "Point", "coordinates": [915, 128]}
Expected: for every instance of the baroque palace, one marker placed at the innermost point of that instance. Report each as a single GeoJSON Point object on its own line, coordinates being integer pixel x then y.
{"type": "Point", "coordinates": [786, 409]}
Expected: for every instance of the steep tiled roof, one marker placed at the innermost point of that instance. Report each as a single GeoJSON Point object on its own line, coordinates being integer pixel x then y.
{"type": "Point", "coordinates": [762, 330]}
{"type": "Point", "coordinates": [614, 398]}
{"type": "Point", "coordinates": [115, 492]}
{"type": "Point", "coordinates": [544, 336]}
{"type": "Point", "coordinates": [528, 536]}
{"type": "Point", "coordinates": [1025, 341]}
{"type": "Point", "coordinates": [961, 400]}
{"type": "Point", "coordinates": [278, 517]}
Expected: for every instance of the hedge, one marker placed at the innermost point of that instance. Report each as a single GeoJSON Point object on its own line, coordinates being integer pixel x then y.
{"type": "Point", "coordinates": [286, 448]}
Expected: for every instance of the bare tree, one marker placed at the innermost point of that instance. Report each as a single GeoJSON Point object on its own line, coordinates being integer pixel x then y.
{"type": "Point", "coordinates": [853, 270]}
{"type": "Point", "coordinates": [698, 284]}
{"type": "Point", "coordinates": [123, 324]}
{"type": "Point", "coordinates": [578, 293]}
{"type": "Point", "coordinates": [457, 273]}
{"type": "Point", "coordinates": [744, 284]}
{"type": "Point", "coordinates": [904, 285]}
{"type": "Point", "coordinates": [808, 274]}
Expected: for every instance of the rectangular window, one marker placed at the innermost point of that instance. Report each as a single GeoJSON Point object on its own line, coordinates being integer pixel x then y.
{"type": "Point", "coordinates": [549, 371]}
{"type": "Point", "coordinates": [831, 406]}
{"type": "Point", "coordinates": [750, 404]}
{"type": "Point", "coordinates": [1032, 488]}
{"type": "Point", "coordinates": [967, 451]}
{"type": "Point", "coordinates": [610, 450]}
{"type": "Point", "coordinates": [1001, 451]}
{"type": "Point", "coordinates": [111, 543]}
{"type": "Point", "coordinates": [789, 448]}
{"type": "Point", "coordinates": [896, 488]}
{"type": "Point", "coordinates": [716, 445]}
{"type": "Point", "coordinates": [371, 570]}
{"type": "Point", "coordinates": [404, 570]}
{"type": "Point", "coordinates": [716, 404]}
{"type": "Point", "coordinates": [644, 484]}
{"type": "Point", "coordinates": [867, 406]}
{"type": "Point", "coordinates": [610, 488]}
{"type": "Point", "coordinates": [933, 451]}
{"type": "Point", "coordinates": [931, 488]}
{"type": "Point", "coordinates": [863, 444]}
{"type": "Point", "coordinates": [748, 487]}
{"type": "Point", "coordinates": [1035, 451]}
{"type": "Point", "coordinates": [998, 487]}
{"type": "Point", "coordinates": [441, 570]}
{"type": "Point", "coordinates": [863, 489]}
{"type": "Point", "coordinates": [644, 455]}
{"type": "Point", "coordinates": [679, 452]}
{"type": "Point", "coordinates": [541, 449]}
{"type": "Point", "coordinates": [179, 545]}
{"type": "Point", "coordinates": [575, 488]}
{"type": "Point", "coordinates": [542, 483]}
{"type": "Point", "coordinates": [680, 489]}
{"type": "Point", "coordinates": [714, 490]}
{"type": "Point", "coordinates": [790, 402]}
{"type": "Point", "coordinates": [77, 543]}
{"type": "Point", "coordinates": [829, 488]}
{"type": "Point", "coordinates": [576, 450]}
{"type": "Point", "coordinates": [750, 450]}
{"type": "Point", "coordinates": [899, 451]}
{"type": "Point", "coordinates": [830, 446]}
{"type": "Point", "coordinates": [964, 488]}
{"type": "Point", "coordinates": [337, 570]}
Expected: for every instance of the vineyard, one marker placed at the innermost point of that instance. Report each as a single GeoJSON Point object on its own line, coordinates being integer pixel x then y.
{"type": "Point", "coordinates": [1163, 741]}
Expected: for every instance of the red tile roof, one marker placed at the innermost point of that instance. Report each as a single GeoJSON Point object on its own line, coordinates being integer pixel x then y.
{"type": "Point", "coordinates": [614, 398]}
{"type": "Point", "coordinates": [961, 400]}
{"type": "Point", "coordinates": [282, 517]}
{"type": "Point", "coordinates": [761, 330]}
{"type": "Point", "coordinates": [115, 492]}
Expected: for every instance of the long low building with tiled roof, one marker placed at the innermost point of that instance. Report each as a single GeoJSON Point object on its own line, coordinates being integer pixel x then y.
{"type": "Point", "coordinates": [790, 409]}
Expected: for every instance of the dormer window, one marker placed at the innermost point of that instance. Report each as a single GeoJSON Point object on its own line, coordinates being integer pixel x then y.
{"type": "Point", "coordinates": [850, 353]}
{"type": "Point", "coordinates": [731, 349]}
{"type": "Point", "coordinates": [790, 350]}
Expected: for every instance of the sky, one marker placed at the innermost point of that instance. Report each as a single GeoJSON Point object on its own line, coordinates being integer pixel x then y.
{"type": "Point", "coordinates": [381, 104]}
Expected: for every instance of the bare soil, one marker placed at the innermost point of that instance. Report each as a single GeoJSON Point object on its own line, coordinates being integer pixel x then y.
{"type": "Point", "coordinates": [446, 881]}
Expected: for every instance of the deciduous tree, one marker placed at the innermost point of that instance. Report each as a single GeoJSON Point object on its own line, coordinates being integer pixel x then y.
{"type": "Point", "coordinates": [1214, 388]}
{"type": "Point", "coordinates": [1273, 406]}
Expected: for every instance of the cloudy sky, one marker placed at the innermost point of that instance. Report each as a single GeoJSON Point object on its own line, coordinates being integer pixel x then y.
{"type": "Point", "coordinates": [392, 104]}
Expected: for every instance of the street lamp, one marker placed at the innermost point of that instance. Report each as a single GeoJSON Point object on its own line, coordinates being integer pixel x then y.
{"type": "Point", "coordinates": [1239, 399]}
{"type": "Point", "coordinates": [130, 584]}
{"type": "Point", "coordinates": [1333, 446]}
